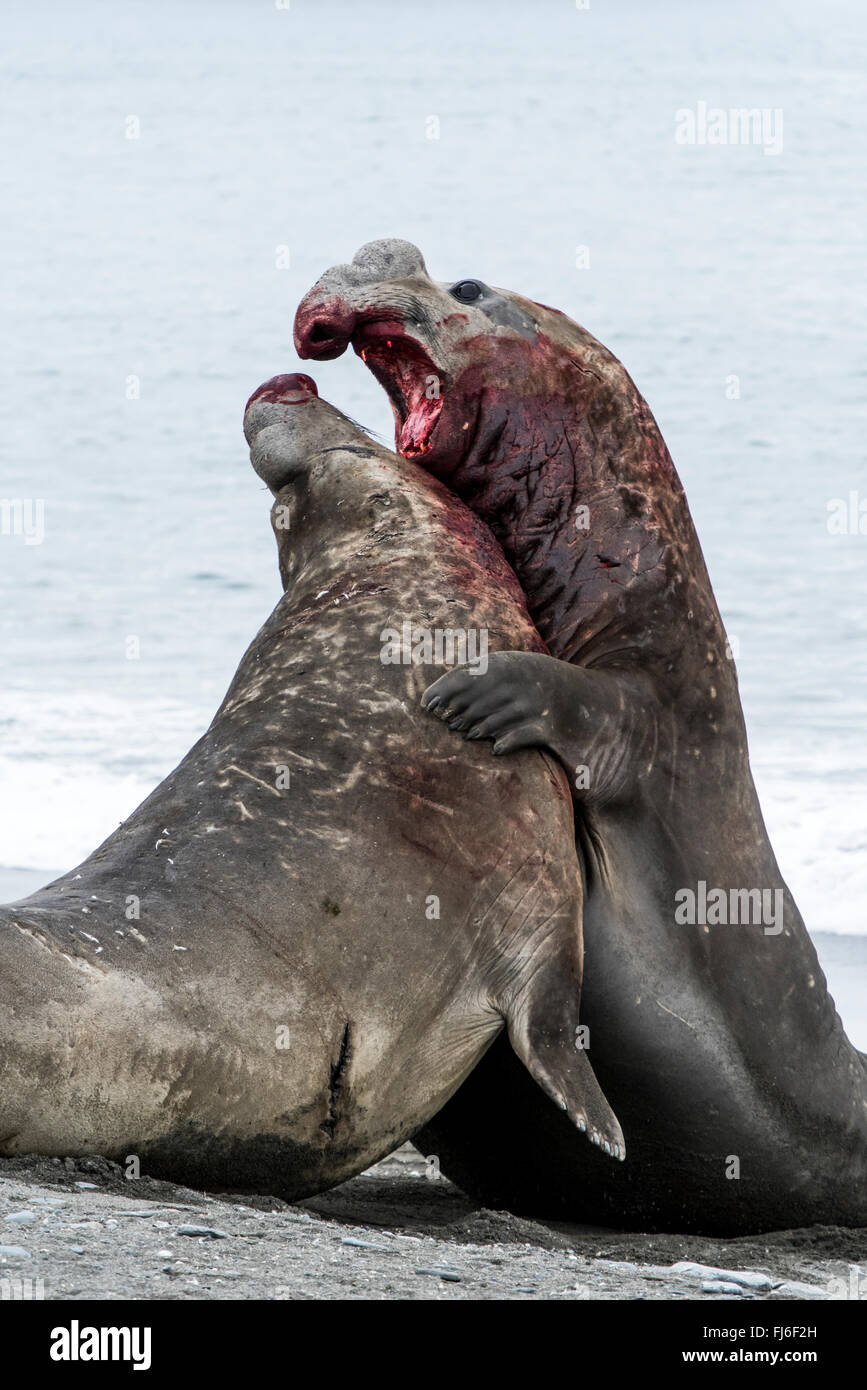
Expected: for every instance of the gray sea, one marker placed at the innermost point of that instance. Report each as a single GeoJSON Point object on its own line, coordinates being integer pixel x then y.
{"type": "Point", "coordinates": [176, 175]}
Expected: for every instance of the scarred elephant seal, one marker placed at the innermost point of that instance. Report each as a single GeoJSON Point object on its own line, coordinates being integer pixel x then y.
{"type": "Point", "coordinates": [296, 949]}
{"type": "Point", "coordinates": [743, 1103]}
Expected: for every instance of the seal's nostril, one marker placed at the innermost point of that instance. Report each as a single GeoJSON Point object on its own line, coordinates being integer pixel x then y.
{"type": "Point", "coordinates": [324, 324]}
{"type": "Point", "coordinates": [323, 337]}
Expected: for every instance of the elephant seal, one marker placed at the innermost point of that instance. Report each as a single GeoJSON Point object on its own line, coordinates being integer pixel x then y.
{"type": "Point", "coordinates": [743, 1103]}
{"type": "Point", "coordinates": [253, 983]}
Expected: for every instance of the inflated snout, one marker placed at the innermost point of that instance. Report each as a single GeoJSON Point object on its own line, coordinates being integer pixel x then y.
{"type": "Point", "coordinates": [349, 295]}
{"type": "Point", "coordinates": [280, 425]}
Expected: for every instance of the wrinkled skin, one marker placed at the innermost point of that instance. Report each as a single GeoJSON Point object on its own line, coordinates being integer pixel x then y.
{"type": "Point", "coordinates": [246, 984]}
{"type": "Point", "coordinates": [742, 1100]}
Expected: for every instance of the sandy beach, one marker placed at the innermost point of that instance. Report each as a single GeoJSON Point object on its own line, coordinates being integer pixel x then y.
{"type": "Point", "coordinates": [80, 1230]}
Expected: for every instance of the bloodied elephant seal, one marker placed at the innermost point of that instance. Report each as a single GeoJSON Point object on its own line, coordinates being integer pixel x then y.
{"type": "Point", "coordinates": [296, 949]}
{"type": "Point", "coordinates": [743, 1102]}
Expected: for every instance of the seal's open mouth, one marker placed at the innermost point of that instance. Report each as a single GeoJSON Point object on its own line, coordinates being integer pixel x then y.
{"type": "Point", "coordinates": [411, 381]}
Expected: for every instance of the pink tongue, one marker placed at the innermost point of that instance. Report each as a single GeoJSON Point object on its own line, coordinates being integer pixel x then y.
{"type": "Point", "coordinates": [418, 425]}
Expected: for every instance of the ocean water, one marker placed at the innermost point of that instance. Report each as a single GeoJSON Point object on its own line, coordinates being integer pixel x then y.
{"type": "Point", "coordinates": [176, 176]}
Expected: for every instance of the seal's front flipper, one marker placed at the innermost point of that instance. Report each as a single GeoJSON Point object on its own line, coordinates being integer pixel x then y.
{"type": "Point", "coordinates": [595, 722]}
{"type": "Point", "coordinates": [545, 1033]}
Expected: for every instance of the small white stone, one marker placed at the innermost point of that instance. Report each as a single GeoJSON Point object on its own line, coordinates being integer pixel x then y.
{"type": "Point", "coordinates": [748, 1278]}
{"type": "Point", "coordinates": [792, 1289]}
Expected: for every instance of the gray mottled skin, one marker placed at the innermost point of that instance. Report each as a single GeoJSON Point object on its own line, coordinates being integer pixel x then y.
{"type": "Point", "coordinates": [743, 1103]}
{"type": "Point", "coordinates": [285, 1009]}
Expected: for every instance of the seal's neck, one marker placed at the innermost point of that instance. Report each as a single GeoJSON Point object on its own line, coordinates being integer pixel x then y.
{"type": "Point", "coordinates": [585, 501]}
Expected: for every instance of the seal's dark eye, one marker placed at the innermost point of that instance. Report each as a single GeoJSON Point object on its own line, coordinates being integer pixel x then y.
{"type": "Point", "coordinates": [466, 290]}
